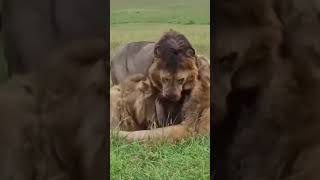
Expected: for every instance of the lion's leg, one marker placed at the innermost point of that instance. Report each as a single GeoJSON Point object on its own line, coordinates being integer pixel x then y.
{"type": "Point", "coordinates": [175, 132]}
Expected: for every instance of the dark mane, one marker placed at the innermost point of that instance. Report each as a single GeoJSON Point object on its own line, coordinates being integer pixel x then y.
{"type": "Point", "coordinates": [172, 48]}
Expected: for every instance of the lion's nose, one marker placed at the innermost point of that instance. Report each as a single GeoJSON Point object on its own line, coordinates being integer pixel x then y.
{"type": "Point", "coordinates": [172, 97]}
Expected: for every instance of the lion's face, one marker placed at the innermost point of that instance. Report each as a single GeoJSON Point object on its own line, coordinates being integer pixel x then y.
{"type": "Point", "coordinates": [171, 84]}
{"type": "Point", "coordinates": [174, 68]}
{"type": "Point", "coordinates": [174, 83]}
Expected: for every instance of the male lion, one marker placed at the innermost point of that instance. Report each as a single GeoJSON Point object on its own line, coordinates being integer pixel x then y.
{"type": "Point", "coordinates": [242, 69]}
{"type": "Point", "coordinates": [172, 59]}
{"type": "Point", "coordinates": [133, 105]}
{"type": "Point", "coordinates": [270, 124]}
{"type": "Point", "coordinates": [53, 120]}
{"type": "Point", "coordinates": [71, 100]}
{"type": "Point", "coordinates": [195, 113]}
{"type": "Point", "coordinates": [173, 73]}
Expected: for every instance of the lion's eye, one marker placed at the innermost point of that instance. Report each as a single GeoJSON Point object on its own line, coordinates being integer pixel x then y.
{"type": "Point", "coordinates": [180, 81]}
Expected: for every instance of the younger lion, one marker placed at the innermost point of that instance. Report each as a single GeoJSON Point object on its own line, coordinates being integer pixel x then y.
{"type": "Point", "coordinates": [133, 104]}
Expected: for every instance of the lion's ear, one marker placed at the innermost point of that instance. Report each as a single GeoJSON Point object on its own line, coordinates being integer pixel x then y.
{"type": "Point", "coordinates": [145, 87]}
{"type": "Point", "coordinates": [190, 52]}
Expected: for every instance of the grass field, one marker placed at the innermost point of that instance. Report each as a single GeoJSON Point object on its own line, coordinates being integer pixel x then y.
{"type": "Point", "coordinates": [137, 20]}
{"type": "Point", "coordinates": [188, 159]}
{"type": "Point", "coordinates": [199, 35]}
{"type": "Point", "coordinates": [147, 20]}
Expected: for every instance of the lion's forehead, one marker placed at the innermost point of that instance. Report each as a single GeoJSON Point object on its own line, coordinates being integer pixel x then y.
{"type": "Point", "coordinates": [178, 74]}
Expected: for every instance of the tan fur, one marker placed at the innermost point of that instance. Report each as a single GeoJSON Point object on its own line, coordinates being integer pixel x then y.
{"type": "Point", "coordinates": [132, 104]}
{"type": "Point", "coordinates": [181, 80]}
{"type": "Point", "coordinates": [159, 77]}
{"type": "Point", "coordinates": [196, 107]}
{"type": "Point", "coordinates": [171, 133]}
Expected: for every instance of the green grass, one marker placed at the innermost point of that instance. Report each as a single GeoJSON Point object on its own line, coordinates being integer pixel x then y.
{"type": "Point", "coordinates": [164, 11]}
{"type": "Point", "coordinates": [147, 20]}
{"type": "Point", "coordinates": [120, 34]}
{"type": "Point", "coordinates": [188, 159]}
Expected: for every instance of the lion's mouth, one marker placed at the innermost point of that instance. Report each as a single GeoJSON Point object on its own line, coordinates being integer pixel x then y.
{"type": "Point", "coordinates": [172, 98]}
